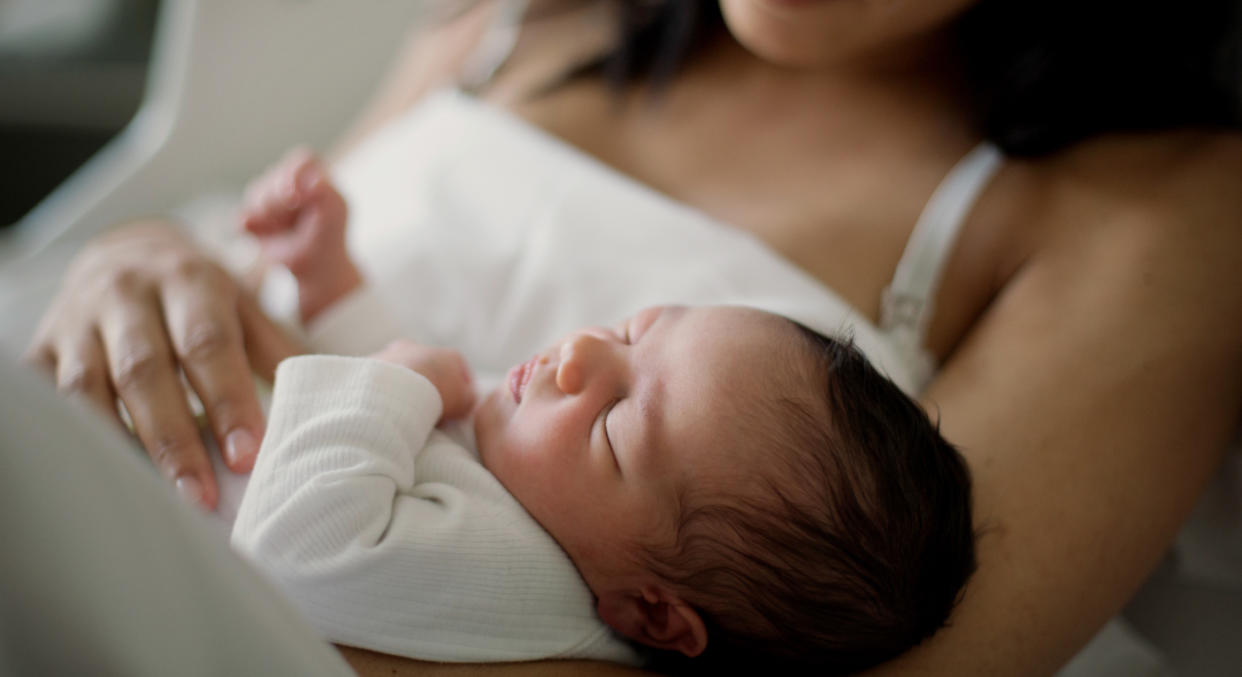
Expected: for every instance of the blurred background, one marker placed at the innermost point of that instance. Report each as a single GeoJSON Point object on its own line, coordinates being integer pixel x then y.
{"type": "Point", "coordinates": [71, 76]}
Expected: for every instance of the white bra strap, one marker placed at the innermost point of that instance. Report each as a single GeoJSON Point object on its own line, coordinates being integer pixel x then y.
{"type": "Point", "coordinates": [907, 303]}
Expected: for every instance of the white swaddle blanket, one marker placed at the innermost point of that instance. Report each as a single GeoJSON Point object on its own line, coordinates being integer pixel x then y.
{"type": "Point", "coordinates": [483, 233]}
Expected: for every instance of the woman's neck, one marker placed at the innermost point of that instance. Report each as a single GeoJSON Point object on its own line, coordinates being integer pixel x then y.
{"type": "Point", "coordinates": [922, 84]}
{"type": "Point", "coordinates": [921, 67]}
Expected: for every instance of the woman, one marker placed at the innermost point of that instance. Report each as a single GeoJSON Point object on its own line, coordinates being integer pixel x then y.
{"type": "Point", "coordinates": [1085, 324]}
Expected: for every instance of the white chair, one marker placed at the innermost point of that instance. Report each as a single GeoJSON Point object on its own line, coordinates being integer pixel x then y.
{"type": "Point", "coordinates": [232, 84]}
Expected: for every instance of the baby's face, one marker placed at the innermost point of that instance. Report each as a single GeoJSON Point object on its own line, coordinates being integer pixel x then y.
{"type": "Point", "coordinates": [597, 435]}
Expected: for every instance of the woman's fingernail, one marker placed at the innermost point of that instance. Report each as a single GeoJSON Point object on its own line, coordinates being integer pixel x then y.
{"type": "Point", "coordinates": [190, 489]}
{"type": "Point", "coordinates": [239, 447]}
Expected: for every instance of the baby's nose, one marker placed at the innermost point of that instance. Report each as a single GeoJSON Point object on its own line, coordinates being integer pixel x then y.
{"type": "Point", "coordinates": [581, 355]}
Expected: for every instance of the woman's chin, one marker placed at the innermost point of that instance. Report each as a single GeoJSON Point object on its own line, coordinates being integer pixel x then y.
{"type": "Point", "coordinates": [783, 33]}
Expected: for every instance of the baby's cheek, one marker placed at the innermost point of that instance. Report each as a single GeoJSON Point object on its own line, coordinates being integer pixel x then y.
{"type": "Point", "coordinates": [502, 455]}
{"type": "Point", "coordinates": [523, 472]}
{"type": "Point", "coordinates": [488, 429]}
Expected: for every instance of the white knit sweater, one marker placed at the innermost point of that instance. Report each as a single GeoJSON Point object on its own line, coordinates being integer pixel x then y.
{"type": "Point", "coordinates": [390, 535]}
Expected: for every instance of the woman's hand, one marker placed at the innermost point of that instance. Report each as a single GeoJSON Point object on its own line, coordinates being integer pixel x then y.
{"type": "Point", "coordinates": [445, 368]}
{"type": "Point", "coordinates": [139, 306]}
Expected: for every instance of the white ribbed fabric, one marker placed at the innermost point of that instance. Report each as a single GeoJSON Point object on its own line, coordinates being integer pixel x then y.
{"type": "Point", "coordinates": [389, 535]}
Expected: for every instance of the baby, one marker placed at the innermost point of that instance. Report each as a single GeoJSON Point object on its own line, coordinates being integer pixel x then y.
{"type": "Point", "coordinates": [732, 487]}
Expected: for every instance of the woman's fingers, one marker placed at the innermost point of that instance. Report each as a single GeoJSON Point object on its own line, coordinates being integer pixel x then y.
{"type": "Point", "coordinates": [138, 307]}
{"type": "Point", "coordinates": [82, 371]}
{"type": "Point", "coordinates": [147, 381]}
{"type": "Point", "coordinates": [40, 356]}
{"type": "Point", "coordinates": [200, 311]}
{"type": "Point", "coordinates": [266, 344]}
{"type": "Point", "coordinates": [78, 367]}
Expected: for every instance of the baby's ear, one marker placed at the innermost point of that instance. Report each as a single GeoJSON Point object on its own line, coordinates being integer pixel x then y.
{"type": "Point", "coordinates": [656, 617]}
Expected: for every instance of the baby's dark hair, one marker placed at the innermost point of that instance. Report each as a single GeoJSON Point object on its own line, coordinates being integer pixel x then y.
{"type": "Point", "coordinates": [856, 546]}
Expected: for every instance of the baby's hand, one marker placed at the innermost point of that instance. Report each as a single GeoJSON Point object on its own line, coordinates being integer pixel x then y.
{"type": "Point", "coordinates": [299, 219]}
{"type": "Point", "coordinates": [445, 368]}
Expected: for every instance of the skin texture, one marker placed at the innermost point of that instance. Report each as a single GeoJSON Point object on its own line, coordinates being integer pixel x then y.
{"type": "Point", "coordinates": [610, 427]}
{"type": "Point", "coordinates": [616, 421]}
{"type": "Point", "coordinates": [1087, 324]}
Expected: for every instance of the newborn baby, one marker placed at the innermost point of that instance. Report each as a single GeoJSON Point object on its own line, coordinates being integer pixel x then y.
{"type": "Point", "coordinates": [730, 486]}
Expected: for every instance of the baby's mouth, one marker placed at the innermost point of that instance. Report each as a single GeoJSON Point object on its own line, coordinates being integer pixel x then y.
{"type": "Point", "coordinates": [519, 378]}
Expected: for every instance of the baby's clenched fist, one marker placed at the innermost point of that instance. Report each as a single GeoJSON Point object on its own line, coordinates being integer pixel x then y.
{"type": "Point", "coordinates": [445, 368]}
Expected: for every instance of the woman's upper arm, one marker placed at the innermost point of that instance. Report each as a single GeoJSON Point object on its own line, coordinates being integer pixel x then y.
{"type": "Point", "coordinates": [1092, 402]}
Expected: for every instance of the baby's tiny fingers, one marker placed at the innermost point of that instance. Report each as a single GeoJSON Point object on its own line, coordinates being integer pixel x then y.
{"type": "Point", "coordinates": [276, 197]}
{"type": "Point", "coordinates": [260, 215]}
{"type": "Point", "coordinates": [300, 172]}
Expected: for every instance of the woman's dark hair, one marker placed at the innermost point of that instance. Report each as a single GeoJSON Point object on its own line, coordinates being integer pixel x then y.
{"type": "Point", "coordinates": [1047, 73]}
{"type": "Point", "coordinates": [1043, 73]}
{"type": "Point", "coordinates": [850, 546]}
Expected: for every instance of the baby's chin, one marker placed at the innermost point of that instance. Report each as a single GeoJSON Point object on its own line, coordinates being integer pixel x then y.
{"type": "Point", "coordinates": [488, 420]}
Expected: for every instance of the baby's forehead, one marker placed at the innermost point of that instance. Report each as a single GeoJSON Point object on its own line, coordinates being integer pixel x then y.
{"type": "Point", "coordinates": [733, 353]}
{"type": "Point", "coordinates": [732, 392]}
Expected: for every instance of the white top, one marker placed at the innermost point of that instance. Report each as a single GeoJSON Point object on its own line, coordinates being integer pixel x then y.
{"type": "Point", "coordinates": [391, 535]}
{"type": "Point", "coordinates": [511, 238]}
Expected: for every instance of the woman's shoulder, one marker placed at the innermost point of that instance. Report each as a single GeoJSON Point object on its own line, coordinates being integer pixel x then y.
{"type": "Point", "coordinates": [1143, 227]}
{"type": "Point", "coordinates": [1168, 180]}
{"type": "Point", "coordinates": [1116, 212]}
{"type": "Point", "coordinates": [1172, 197]}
